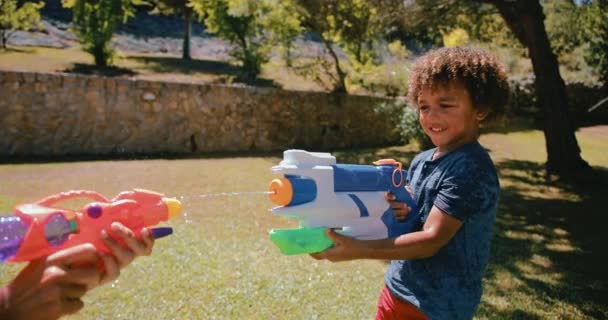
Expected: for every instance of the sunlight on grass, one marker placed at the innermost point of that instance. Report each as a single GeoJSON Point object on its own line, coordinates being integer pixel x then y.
{"type": "Point", "coordinates": [592, 141]}
{"type": "Point", "coordinates": [41, 59]}
{"type": "Point", "coordinates": [219, 263]}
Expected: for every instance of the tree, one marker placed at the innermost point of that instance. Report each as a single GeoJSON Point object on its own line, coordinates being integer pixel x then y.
{"type": "Point", "coordinates": [353, 25]}
{"type": "Point", "coordinates": [183, 9]}
{"type": "Point", "coordinates": [238, 22]}
{"type": "Point", "coordinates": [594, 22]}
{"type": "Point", "coordinates": [283, 23]}
{"type": "Point", "coordinates": [561, 26]}
{"type": "Point", "coordinates": [14, 19]}
{"type": "Point", "coordinates": [95, 21]}
{"type": "Point", "coordinates": [525, 18]}
{"type": "Point", "coordinates": [317, 17]}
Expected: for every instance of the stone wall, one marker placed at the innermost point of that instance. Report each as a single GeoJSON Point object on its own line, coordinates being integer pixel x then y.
{"type": "Point", "coordinates": [66, 114]}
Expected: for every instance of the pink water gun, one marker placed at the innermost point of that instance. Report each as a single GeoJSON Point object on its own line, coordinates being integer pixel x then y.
{"type": "Point", "coordinates": [39, 229]}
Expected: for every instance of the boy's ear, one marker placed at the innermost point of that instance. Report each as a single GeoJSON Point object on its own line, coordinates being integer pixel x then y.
{"type": "Point", "coordinates": [482, 113]}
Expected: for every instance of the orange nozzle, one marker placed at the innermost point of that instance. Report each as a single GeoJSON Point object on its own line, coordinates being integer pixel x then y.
{"type": "Point", "coordinates": [174, 207]}
{"type": "Point", "coordinates": [282, 191]}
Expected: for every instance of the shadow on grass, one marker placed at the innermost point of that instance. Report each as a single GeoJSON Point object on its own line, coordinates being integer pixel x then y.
{"type": "Point", "coordinates": [179, 65]}
{"type": "Point", "coordinates": [231, 72]}
{"type": "Point", "coordinates": [109, 71]}
{"type": "Point", "coordinates": [19, 50]}
{"type": "Point", "coordinates": [570, 234]}
{"type": "Point", "coordinates": [534, 225]}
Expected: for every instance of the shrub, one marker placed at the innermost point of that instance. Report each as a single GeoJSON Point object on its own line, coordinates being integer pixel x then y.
{"type": "Point", "coordinates": [411, 131]}
{"type": "Point", "coordinates": [94, 23]}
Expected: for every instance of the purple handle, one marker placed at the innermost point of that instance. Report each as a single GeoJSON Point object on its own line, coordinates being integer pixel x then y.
{"type": "Point", "coordinates": [12, 232]}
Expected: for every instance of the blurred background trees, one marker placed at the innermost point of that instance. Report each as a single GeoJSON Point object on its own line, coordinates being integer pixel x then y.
{"type": "Point", "coordinates": [94, 22]}
{"type": "Point", "coordinates": [180, 8]}
{"type": "Point", "coordinates": [367, 46]}
{"type": "Point", "coordinates": [14, 18]}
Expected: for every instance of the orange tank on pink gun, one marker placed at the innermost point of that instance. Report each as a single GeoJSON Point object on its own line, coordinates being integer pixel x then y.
{"type": "Point", "coordinates": [39, 229]}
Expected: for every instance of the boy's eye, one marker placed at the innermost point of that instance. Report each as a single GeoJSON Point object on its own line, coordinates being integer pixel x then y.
{"type": "Point", "coordinates": [446, 105]}
{"type": "Point", "coordinates": [423, 108]}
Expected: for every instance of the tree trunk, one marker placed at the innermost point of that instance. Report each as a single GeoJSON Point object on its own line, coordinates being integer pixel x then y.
{"type": "Point", "coordinates": [100, 56]}
{"type": "Point", "coordinates": [187, 33]}
{"type": "Point", "coordinates": [341, 85]}
{"type": "Point", "coordinates": [3, 39]}
{"type": "Point", "coordinates": [526, 19]}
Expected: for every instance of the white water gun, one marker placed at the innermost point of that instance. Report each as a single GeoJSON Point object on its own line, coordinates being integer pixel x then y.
{"type": "Point", "coordinates": [321, 194]}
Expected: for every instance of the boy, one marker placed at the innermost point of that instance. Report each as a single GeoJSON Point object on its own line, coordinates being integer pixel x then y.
{"type": "Point", "coordinates": [437, 271]}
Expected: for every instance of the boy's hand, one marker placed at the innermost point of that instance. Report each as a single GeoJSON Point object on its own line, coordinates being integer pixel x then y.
{"type": "Point", "coordinates": [400, 209]}
{"type": "Point", "coordinates": [344, 248]}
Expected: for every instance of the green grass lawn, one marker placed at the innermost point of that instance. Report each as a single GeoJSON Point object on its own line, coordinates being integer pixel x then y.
{"type": "Point", "coordinates": [219, 264]}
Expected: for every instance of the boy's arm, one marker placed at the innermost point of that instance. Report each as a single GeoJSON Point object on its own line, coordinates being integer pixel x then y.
{"type": "Point", "coordinates": [437, 231]}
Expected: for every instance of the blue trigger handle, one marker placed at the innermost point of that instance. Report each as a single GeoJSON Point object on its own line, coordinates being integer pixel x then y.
{"type": "Point", "coordinates": [402, 195]}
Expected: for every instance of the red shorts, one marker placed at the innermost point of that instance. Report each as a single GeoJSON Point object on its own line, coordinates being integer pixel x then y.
{"type": "Point", "coordinates": [391, 308]}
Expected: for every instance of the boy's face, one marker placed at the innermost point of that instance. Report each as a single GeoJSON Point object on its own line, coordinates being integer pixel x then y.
{"type": "Point", "coordinates": [448, 117]}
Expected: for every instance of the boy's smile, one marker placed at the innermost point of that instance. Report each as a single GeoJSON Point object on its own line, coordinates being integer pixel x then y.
{"type": "Point", "coordinates": [448, 117]}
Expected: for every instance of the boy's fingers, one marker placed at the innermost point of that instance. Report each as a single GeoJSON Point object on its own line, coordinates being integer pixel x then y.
{"type": "Point", "coordinates": [389, 196]}
{"type": "Point", "coordinates": [317, 256]}
{"type": "Point", "coordinates": [335, 237]}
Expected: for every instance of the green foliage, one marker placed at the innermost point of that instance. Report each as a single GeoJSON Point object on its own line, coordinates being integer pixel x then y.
{"type": "Point", "coordinates": [353, 25]}
{"type": "Point", "coordinates": [14, 19]}
{"type": "Point", "coordinates": [357, 29]}
{"type": "Point", "coordinates": [483, 23]}
{"type": "Point", "coordinates": [411, 131]}
{"type": "Point", "coordinates": [238, 21]}
{"type": "Point", "coordinates": [94, 22]}
{"type": "Point", "coordinates": [457, 37]}
{"type": "Point", "coordinates": [560, 21]}
{"type": "Point", "coordinates": [594, 23]}
{"type": "Point", "coordinates": [408, 125]}
{"type": "Point", "coordinates": [388, 78]}
{"type": "Point", "coordinates": [168, 7]}
{"type": "Point", "coordinates": [283, 24]}
{"type": "Point", "coordinates": [319, 17]}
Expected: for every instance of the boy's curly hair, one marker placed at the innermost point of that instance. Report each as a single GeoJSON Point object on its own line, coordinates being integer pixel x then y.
{"type": "Point", "coordinates": [480, 72]}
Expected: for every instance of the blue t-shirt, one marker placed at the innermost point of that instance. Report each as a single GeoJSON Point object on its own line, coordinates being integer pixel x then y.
{"type": "Point", "coordinates": [462, 183]}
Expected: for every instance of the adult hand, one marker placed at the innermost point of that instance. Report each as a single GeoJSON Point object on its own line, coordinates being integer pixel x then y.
{"type": "Point", "coordinates": [51, 287]}
{"type": "Point", "coordinates": [124, 247]}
